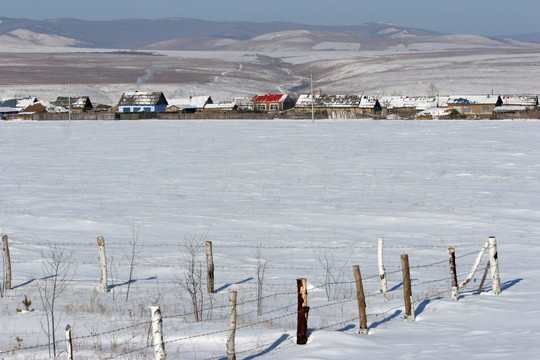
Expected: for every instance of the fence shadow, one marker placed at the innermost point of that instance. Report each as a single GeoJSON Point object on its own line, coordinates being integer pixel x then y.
{"type": "Point", "coordinates": [422, 306]}
{"type": "Point", "coordinates": [386, 319]}
{"type": "Point", "coordinates": [271, 347]}
{"type": "Point", "coordinates": [228, 285]}
{"type": "Point", "coordinates": [346, 328]}
{"type": "Point", "coordinates": [23, 284]}
{"type": "Point", "coordinates": [112, 286]}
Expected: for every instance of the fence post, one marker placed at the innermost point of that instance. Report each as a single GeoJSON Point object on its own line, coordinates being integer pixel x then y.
{"type": "Point", "coordinates": [493, 259]}
{"type": "Point", "coordinates": [453, 273]}
{"type": "Point", "coordinates": [407, 292]}
{"type": "Point", "coordinates": [483, 278]}
{"type": "Point", "coordinates": [102, 265]}
{"type": "Point", "coordinates": [7, 262]}
{"type": "Point", "coordinates": [157, 333]}
{"type": "Point", "coordinates": [303, 311]}
{"type": "Point", "coordinates": [209, 267]}
{"type": "Point", "coordinates": [361, 300]}
{"type": "Point", "coordinates": [382, 270]}
{"type": "Point", "coordinates": [231, 353]}
{"type": "Point", "coordinates": [69, 343]}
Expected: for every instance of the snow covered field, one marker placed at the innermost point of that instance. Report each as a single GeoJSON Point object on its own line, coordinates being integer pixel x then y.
{"type": "Point", "coordinates": [306, 195]}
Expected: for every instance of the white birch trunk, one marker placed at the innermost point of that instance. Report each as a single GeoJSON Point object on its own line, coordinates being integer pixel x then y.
{"type": "Point", "coordinates": [231, 353]}
{"type": "Point", "coordinates": [209, 267]}
{"type": "Point", "coordinates": [157, 333]}
{"type": "Point", "coordinates": [475, 266]}
{"type": "Point", "coordinates": [382, 270]}
{"type": "Point", "coordinates": [494, 267]}
{"type": "Point", "coordinates": [103, 287]}
{"type": "Point", "coordinates": [69, 343]}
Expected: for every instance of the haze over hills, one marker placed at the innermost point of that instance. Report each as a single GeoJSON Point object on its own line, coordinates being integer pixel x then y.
{"type": "Point", "coordinates": [192, 34]}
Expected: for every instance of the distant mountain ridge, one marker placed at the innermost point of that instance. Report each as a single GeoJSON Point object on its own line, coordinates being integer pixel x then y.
{"type": "Point", "coordinates": [193, 34]}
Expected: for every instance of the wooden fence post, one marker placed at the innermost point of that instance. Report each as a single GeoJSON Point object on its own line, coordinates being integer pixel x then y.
{"type": "Point", "coordinates": [69, 343]}
{"type": "Point", "coordinates": [102, 265]}
{"type": "Point", "coordinates": [483, 278]}
{"type": "Point", "coordinates": [453, 273]}
{"type": "Point", "coordinates": [361, 300]}
{"type": "Point", "coordinates": [382, 270]}
{"type": "Point", "coordinates": [303, 311]}
{"type": "Point", "coordinates": [209, 267]}
{"type": "Point", "coordinates": [7, 262]}
{"type": "Point", "coordinates": [493, 259]}
{"type": "Point", "coordinates": [157, 333]}
{"type": "Point", "coordinates": [231, 353]}
{"type": "Point", "coordinates": [407, 292]}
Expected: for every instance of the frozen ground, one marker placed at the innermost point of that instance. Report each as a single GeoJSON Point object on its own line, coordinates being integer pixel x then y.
{"type": "Point", "coordinates": [302, 193]}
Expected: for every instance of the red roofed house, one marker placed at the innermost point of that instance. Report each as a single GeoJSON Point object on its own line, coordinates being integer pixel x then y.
{"type": "Point", "coordinates": [272, 102]}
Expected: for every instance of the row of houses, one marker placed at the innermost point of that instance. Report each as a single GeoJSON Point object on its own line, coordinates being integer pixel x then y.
{"type": "Point", "coordinates": [320, 105]}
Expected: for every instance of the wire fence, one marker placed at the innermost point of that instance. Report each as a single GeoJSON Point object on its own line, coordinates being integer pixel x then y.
{"type": "Point", "coordinates": [333, 299]}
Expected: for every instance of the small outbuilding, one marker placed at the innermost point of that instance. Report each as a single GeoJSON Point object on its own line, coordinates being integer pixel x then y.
{"type": "Point", "coordinates": [76, 104]}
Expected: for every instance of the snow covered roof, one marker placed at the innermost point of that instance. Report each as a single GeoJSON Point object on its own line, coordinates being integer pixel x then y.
{"type": "Point", "coordinates": [331, 101]}
{"type": "Point", "coordinates": [472, 100]}
{"type": "Point", "coordinates": [19, 103]}
{"type": "Point", "coordinates": [415, 102]}
{"type": "Point", "coordinates": [138, 98]}
{"type": "Point", "coordinates": [520, 100]}
{"type": "Point", "coordinates": [8, 110]}
{"type": "Point", "coordinates": [221, 106]}
{"type": "Point", "coordinates": [197, 101]}
{"type": "Point", "coordinates": [78, 102]}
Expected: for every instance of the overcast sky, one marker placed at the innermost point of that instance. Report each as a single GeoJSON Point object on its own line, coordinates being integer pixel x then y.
{"type": "Point", "coordinates": [484, 17]}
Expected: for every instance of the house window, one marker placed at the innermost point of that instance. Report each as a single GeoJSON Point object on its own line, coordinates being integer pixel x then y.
{"type": "Point", "coordinates": [147, 109]}
{"type": "Point", "coordinates": [261, 107]}
{"type": "Point", "coordinates": [274, 107]}
{"type": "Point", "coordinates": [126, 110]}
{"type": "Point", "coordinates": [136, 109]}
{"type": "Point", "coordinates": [485, 109]}
{"type": "Point", "coordinates": [467, 109]}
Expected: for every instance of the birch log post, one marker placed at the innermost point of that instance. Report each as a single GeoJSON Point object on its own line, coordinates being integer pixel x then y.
{"type": "Point", "coordinates": [453, 273]}
{"type": "Point", "coordinates": [69, 343]}
{"type": "Point", "coordinates": [382, 270]}
{"type": "Point", "coordinates": [209, 267]}
{"type": "Point", "coordinates": [494, 267]}
{"type": "Point", "coordinates": [7, 262]}
{"type": "Point", "coordinates": [361, 300]}
{"type": "Point", "coordinates": [103, 287]}
{"type": "Point", "coordinates": [484, 278]}
{"type": "Point", "coordinates": [475, 266]}
{"type": "Point", "coordinates": [231, 352]}
{"type": "Point", "coordinates": [157, 333]}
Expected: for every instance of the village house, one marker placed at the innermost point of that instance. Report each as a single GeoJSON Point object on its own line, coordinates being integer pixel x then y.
{"type": "Point", "coordinates": [478, 106]}
{"type": "Point", "coordinates": [338, 106]}
{"type": "Point", "coordinates": [17, 104]}
{"type": "Point", "coordinates": [243, 103]}
{"type": "Point", "coordinates": [187, 104]}
{"type": "Point", "coordinates": [75, 104]}
{"type": "Point", "coordinates": [272, 102]}
{"type": "Point", "coordinates": [409, 106]}
{"type": "Point", "coordinates": [136, 101]}
{"type": "Point", "coordinates": [221, 107]}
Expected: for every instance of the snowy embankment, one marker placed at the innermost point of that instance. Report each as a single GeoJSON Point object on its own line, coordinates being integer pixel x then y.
{"type": "Point", "coordinates": [310, 197]}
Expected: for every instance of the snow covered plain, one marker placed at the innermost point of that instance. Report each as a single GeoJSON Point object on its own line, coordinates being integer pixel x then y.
{"type": "Point", "coordinates": [302, 192]}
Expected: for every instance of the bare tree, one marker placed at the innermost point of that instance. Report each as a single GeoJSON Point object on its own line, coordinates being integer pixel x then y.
{"type": "Point", "coordinates": [57, 276]}
{"type": "Point", "coordinates": [334, 286]}
{"type": "Point", "coordinates": [259, 272]}
{"type": "Point", "coordinates": [191, 281]}
{"type": "Point", "coordinates": [134, 251]}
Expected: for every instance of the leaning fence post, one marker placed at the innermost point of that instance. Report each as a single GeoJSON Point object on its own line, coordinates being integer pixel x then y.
{"type": "Point", "coordinates": [209, 267]}
{"type": "Point", "coordinates": [493, 259]}
{"type": "Point", "coordinates": [382, 270]}
{"type": "Point", "coordinates": [231, 353]}
{"type": "Point", "coordinates": [157, 333]}
{"type": "Point", "coordinates": [453, 273]}
{"type": "Point", "coordinates": [7, 262]}
{"type": "Point", "coordinates": [407, 292]}
{"type": "Point", "coordinates": [483, 278]}
{"type": "Point", "coordinates": [361, 300]}
{"type": "Point", "coordinates": [102, 265]}
{"type": "Point", "coordinates": [303, 311]}
{"type": "Point", "coordinates": [69, 343]}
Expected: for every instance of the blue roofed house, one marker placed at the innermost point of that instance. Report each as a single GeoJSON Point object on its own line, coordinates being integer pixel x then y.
{"type": "Point", "coordinates": [139, 101]}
